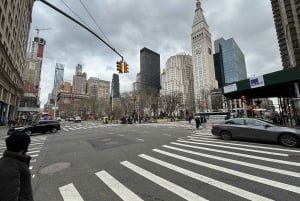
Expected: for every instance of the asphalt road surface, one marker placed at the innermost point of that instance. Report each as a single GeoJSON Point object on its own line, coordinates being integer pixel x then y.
{"type": "Point", "coordinates": [158, 162]}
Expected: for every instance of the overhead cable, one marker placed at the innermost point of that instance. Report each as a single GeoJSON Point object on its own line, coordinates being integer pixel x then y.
{"type": "Point", "coordinates": [91, 16]}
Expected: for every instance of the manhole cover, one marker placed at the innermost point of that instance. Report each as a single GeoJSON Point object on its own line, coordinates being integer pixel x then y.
{"type": "Point", "coordinates": [56, 167]}
{"type": "Point", "coordinates": [106, 142]}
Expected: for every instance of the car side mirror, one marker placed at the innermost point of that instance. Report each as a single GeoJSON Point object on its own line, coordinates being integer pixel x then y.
{"type": "Point", "coordinates": [267, 126]}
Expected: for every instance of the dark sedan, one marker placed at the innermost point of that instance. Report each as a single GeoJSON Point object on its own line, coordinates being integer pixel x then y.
{"type": "Point", "coordinates": [41, 126]}
{"type": "Point", "coordinates": [256, 129]}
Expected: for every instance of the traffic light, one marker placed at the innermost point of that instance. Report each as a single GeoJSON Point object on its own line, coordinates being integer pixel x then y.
{"type": "Point", "coordinates": [120, 66]}
{"type": "Point", "coordinates": [126, 67]}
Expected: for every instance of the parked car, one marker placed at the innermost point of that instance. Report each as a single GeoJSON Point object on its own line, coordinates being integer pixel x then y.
{"type": "Point", "coordinates": [42, 126]}
{"type": "Point", "coordinates": [77, 119]}
{"type": "Point", "coordinates": [256, 129]}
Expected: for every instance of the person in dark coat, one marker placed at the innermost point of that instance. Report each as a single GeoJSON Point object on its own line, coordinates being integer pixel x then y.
{"type": "Point", "coordinates": [15, 176]}
{"type": "Point", "coordinates": [197, 119]}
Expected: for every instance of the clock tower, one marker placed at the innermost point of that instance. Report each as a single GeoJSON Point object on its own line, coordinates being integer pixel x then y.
{"type": "Point", "coordinates": [203, 62]}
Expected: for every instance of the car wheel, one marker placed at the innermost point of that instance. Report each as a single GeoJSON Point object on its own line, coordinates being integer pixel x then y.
{"type": "Point", "coordinates": [53, 130]}
{"type": "Point", "coordinates": [28, 132]}
{"type": "Point", "coordinates": [289, 140]}
{"type": "Point", "coordinates": [226, 135]}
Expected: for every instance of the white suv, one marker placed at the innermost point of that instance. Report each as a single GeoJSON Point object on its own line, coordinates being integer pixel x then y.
{"type": "Point", "coordinates": [77, 119]}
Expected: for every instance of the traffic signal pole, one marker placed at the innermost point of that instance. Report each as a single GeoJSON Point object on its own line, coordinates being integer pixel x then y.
{"type": "Point", "coordinates": [82, 25]}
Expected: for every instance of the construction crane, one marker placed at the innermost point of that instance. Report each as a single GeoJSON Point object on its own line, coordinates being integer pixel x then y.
{"type": "Point", "coordinates": [41, 29]}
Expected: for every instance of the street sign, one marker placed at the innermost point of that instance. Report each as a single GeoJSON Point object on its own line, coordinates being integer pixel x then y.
{"type": "Point", "coordinates": [137, 105]}
{"type": "Point", "coordinates": [54, 108]}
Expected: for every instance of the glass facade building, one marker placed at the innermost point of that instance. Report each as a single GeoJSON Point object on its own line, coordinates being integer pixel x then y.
{"type": "Point", "coordinates": [59, 75]}
{"type": "Point", "coordinates": [229, 62]}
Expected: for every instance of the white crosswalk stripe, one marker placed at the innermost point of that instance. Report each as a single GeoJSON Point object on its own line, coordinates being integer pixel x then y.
{"type": "Point", "coordinates": [261, 167]}
{"type": "Point", "coordinates": [176, 156]}
{"type": "Point", "coordinates": [70, 193]}
{"type": "Point", "coordinates": [243, 155]}
{"type": "Point", "coordinates": [186, 194]}
{"type": "Point", "coordinates": [123, 192]}
{"type": "Point", "coordinates": [241, 145]}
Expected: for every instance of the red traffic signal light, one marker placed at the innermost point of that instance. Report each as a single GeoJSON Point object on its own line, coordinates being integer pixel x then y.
{"type": "Point", "coordinates": [126, 67]}
{"type": "Point", "coordinates": [120, 66]}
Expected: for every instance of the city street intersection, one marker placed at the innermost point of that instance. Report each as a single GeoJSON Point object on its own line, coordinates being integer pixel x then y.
{"type": "Point", "coordinates": [163, 161]}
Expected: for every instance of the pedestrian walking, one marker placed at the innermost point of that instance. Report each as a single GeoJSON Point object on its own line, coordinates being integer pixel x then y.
{"type": "Point", "coordinates": [15, 176]}
{"type": "Point", "coordinates": [197, 120]}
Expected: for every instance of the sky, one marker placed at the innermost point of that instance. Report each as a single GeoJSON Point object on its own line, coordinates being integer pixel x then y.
{"type": "Point", "coordinates": [162, 26]}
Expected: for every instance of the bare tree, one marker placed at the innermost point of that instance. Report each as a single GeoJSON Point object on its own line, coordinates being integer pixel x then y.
{"type": "Point", "coordinates": [205, 99]}
{"type": "Point", "coordinates": [169, 104]}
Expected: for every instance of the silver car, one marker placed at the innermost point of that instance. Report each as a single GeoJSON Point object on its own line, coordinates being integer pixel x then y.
{"type": "Point", "coordinates": [256, 129]}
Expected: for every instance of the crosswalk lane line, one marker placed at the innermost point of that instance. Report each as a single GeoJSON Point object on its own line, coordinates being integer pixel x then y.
{"type": "Point", "coordinates": [243, 155]}
{"type": "Point", "coordinates": [244, 145]}
{"type": "Point", "coordinates": [31, 152]}
{"type": "Point", "coordinates": [261, 167]}
{"type": "Point", "coordinates": [221, 185]}
{"type": "Point", "coordinates": [70, 193]}
{"type": "Point", "coordinates": [184, 193]}
{"type": "Point", "coordinates": [117, 187]}
{"type": "Point", "coordinates": [231, 147]}
{"type": "Point", "coordinates": [251, 177]}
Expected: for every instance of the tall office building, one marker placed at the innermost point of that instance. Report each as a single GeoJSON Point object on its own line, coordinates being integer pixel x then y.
{"type": "Point", "coordinates": [149, 71]}
{"type": "Point", "coordinates": [177, 77]}
{"type": "Point", "coordinates": [30, 102]}
{"type": "Point", "coordinates": [59, 75]}
{"type": "Point", "coordinates": [203, 63]}
{"type": "Point", "coordinates": [79, 81]}
{"type": "Point", "coordinates": [115, 86]}
{"type": "Point", "coordinates": [14, 30]}
{"type": "Point", "coordinates": [92, 87]}
{"type": "Point", "coordinates": [287, 23]}
{"type": "Point", "coordinates": [78, 69]}
{"type": "Point", "coordinates": [37, 49]}
{"type": "Point", "coordinates": [229, 62]}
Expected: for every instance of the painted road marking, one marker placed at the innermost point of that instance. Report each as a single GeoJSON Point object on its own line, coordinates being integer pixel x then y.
{"type": "Point", "coordinates": [261, 167]}
{"type": "Point", "coordinates": [117, 187]}
{"type": "Point", "coordinates": [69, 193]}
{"type": "Point", "coordinates": [221, 185]}
{"type": "Point", "coordinates": [243, 155]}
{"type": "Point", "coordinates": [182, 192]}
{"type": "Point", "coordinates": [245, 145]}
{"type": "Point", "coordinates": [230, 147]}
{"type": "Point", "coordinates": [251, 177]}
